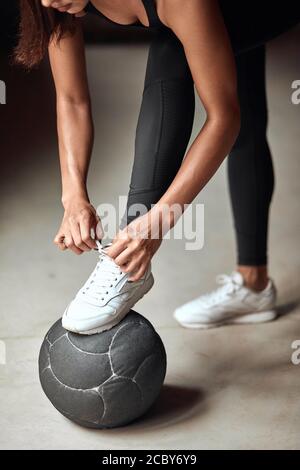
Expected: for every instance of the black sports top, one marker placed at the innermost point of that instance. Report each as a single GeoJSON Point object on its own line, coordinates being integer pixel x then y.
{"type": "Point", "coordinates": [150, 7]}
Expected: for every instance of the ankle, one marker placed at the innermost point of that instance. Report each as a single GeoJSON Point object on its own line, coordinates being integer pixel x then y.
{"type": "Point", "coordinates": [255, 277]}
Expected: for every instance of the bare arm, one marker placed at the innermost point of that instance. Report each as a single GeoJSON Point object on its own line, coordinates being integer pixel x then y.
{"type": "Point", "coordinates": [74, 121]}
{"type": "Point", "coordinates": [75, 137]}
{"type": "Point", "coordinates": [199, 26]}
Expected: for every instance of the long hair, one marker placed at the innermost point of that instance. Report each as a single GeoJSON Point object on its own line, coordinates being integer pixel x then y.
{"type": "Point", "coordinates": [38, 26]}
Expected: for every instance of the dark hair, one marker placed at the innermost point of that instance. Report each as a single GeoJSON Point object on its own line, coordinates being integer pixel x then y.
{"type": "Point", "coordinates": [38, 26]}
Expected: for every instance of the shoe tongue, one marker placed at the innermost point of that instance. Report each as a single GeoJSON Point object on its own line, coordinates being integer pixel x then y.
{"type": "Point", "coordinates": [237, 278]}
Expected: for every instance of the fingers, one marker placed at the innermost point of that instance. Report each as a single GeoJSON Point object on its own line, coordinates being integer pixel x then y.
{"type": "Point", "coordinates": [131, 255]}
{"type": "Point", "coordinates": [85, 234]}
{"type": "Point", "coordinates": [66, 242]}
{"type": "Point", "coordinates": [70, 244]}
{"type": "Point", "coordinates": [137, 275]}
{"type": "Point", "coordinates": [119, 244]}
{"type": "Point", "coordinates": [134, 251]}
{"type": "Point", "coordinates": [125, 256]}
{"type": "Point", "coordinates": [76, 233]}
{"type": "Point", "coordinates": [99, 232]}
{"type": "Point", "coordinates": [79, 228]}
{"type": "Point", "coordinates": [80, 235]}
{"type": "Point", "coordinates": [135, 263]}
{"type": "Point", "coordinates": [59, 240]}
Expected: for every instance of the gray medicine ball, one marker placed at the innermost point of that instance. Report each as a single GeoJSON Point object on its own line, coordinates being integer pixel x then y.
{"type": "Point", "coordinates": [107, 379]}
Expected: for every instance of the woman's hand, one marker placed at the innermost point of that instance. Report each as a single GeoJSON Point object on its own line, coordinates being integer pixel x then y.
{"type": "Point", "coordinates": [80, 219]}
{"type": "Point", "coordinates": [134, 246]}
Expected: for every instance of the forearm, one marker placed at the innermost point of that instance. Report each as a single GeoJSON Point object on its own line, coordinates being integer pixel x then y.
{"type": "Point", "coordinates": [204, 157]}
{"type": "Point", "coordinates": [75, 137]}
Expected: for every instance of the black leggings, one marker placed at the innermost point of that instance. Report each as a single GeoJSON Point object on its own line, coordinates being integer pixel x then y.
{"type": "Point", "coordinates": [167, 114]}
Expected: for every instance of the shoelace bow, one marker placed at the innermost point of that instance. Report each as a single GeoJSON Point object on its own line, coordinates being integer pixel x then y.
{"type": "Point", "coordinates": [103, 277]}
{"type": "Point", "coordinates": [228, 286]}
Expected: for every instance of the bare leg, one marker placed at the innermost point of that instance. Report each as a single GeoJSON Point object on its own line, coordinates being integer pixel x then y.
{"type": "Point", "coordinates": [255, 277]}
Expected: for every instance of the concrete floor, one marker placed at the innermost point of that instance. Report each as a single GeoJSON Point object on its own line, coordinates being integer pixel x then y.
{"type": "Point", "coordinates": [229, 388]}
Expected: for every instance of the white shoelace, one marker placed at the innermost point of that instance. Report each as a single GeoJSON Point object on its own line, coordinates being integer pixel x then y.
{"type": "Point", "coordinates": [103, 278]}
{"type": "Point", "coordinates": [228, 286]}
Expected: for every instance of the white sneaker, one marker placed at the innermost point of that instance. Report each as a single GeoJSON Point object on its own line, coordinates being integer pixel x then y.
{"type": "Point", "coordinates": [105, 299]}
{"type": "Point", "coordinates": [231, 303]}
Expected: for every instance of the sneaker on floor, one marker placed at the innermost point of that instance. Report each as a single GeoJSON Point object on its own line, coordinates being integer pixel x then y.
{"type": "Point", "coordinates": [105, 299]}
{"type": "Point", "coordinates": [231, 303]}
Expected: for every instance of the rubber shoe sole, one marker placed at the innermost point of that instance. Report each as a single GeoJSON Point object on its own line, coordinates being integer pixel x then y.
{"type": "Point", "coordinates": [249, 318]}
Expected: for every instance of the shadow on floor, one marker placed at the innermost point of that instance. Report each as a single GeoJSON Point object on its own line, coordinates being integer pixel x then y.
{"type": "Point", "coordinates": [175, 404]}
{"type": "Point", "coordinates": [288, 308]}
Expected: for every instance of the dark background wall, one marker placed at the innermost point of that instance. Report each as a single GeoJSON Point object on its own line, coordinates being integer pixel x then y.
{"type": "Point", "coordinates": [8, 22]}
{"type": "Point", "coordinates": [30, 95]}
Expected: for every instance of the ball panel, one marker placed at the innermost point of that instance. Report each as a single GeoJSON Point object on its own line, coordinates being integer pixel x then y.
{"type": "Point", "coordinates": [44, 360]}
{"type": "Point", "coordinates": [93, 343]}
{"type": "Point", "coordinates": [122, 401]}
{"type": "Point", "coordinates": [55, 332]}
{"type": "Point", "coordinates": [81, 422]}
{"type": "Point", "coordinates": [78, 369]}
{"type": "Point", "coordinates": [131, 345]}
{"type": "Point", "coordinates": [150, 377]}
{"type": "Point", "coordinates": [86, 405]}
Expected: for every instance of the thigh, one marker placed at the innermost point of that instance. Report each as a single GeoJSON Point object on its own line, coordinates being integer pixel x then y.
{"type": "Point", "coordinates": [166, 116]}
{"type": "Point", "coordinates": [164, 125]}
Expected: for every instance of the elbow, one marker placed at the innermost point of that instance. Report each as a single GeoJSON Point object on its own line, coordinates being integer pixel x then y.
{"type": "Point", "coordinates": [227, 120]}
{"type": "Point", "coordinates": [74, 106]}
{"type": "Point", "coordinates": [76, 100]}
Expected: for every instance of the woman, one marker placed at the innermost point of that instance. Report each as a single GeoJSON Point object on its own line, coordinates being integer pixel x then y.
{"type": "Point", "coordinates": [195, 42]}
